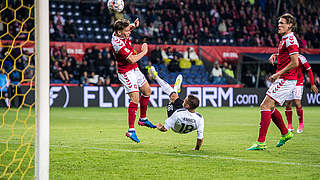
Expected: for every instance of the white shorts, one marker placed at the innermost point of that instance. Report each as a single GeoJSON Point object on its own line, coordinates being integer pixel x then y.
{"type": "Point", "coordinates": [132, 80]}
{"type": "Point", "coordinates": [296, 94]}
{"type": "Point", "coordinates": [281, 89]}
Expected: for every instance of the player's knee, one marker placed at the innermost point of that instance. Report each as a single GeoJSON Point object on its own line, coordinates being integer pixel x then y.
{"type": "Point", "coordinates": [265, 106]}
{"type": "Point", "coordinates": [298, 106]}
{"type": "Point", "coordinates": [288, 105]}
{"type": "Point", "coordinates": [147, 92]}
{"type": "Point", "coordinates": [134, 97]}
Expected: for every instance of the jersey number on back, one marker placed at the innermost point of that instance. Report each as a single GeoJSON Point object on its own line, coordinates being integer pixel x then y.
{"type": "Point", "coordinates": [185, 128]}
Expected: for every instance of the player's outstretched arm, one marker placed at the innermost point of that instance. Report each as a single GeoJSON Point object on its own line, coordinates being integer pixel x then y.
{"type": "Point", "coordinates": [198, 145]}
{"type": "Point", "coordinates": [313, 86]}
{"type": "Point", "coordinates": [160, 127]}
{"type": "Point", "coordinates": [135, 24]}
{"type": "Point", "coordinates": [134, 58]}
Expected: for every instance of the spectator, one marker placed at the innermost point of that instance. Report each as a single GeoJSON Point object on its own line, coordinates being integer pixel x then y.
{"type": "Point", "coordinates": [84, 79]}
{"type": "Point", "coordinates": [15, 87]}
{"type": "Point", "coordinates": [249, 79]}
{"type": "Point", "coordinates": [155, 56]}
{"type": "Point", "coordinates": [216, 74]}
{"type": "Point", "coordinates": [192, 56]}
{"type": "Point", "coordinates": [222, 28]}
{"type": "Point", "coordinates": [58, 19]}
{"type": "Point", "coordinates": [228, 69]}
{"type": "Point", "coordinates": [93, 78]}
{"type": "Point", "coordinates": [173, 65]}
{"type": "Point", "coordinates": [112, 72]}
{"type": "Point", "coordinates": [56, 72]}
{"type": "Point", "coordinates": [4, 85]}
{"type": "Point", "coordinates": [101, 65]}
{"type": "Point", "coordinates": [69, 71]}
{"type": "Point", "coordinates": [70, 31]}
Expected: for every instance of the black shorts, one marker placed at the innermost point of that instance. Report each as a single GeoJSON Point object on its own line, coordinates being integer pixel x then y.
{"type": "Point", "coordinates": [173, 106]}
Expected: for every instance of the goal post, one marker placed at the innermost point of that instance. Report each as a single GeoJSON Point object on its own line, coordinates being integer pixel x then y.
{"type": "Point", "coordinates": [42, 89]}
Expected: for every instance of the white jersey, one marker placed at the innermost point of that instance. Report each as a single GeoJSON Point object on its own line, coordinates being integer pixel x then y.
{"type": "Point", "coordinates": [183, 121]}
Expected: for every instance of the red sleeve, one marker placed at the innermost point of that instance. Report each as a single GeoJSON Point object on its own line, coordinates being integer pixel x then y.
{"type": "Point", "coordinates": [310, 73]}
{"type": "Point", "coordinates": [124, 52]}
{"type": "Point", "coordinates": [293, 49]}
{"type": "Point", "coordinates": [306, 66]}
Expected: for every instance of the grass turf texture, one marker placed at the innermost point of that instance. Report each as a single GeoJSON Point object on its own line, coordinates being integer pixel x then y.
{"type": "Point", "coordinates": [91, 144]}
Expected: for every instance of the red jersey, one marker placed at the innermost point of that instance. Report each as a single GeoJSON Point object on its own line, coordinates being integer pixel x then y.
{"type": "Point", "coordinates": [122, 49]}
{"type": "Point", "coordinates": [303, 64]}
{"type": "Point", "coordinates": [287, 46]}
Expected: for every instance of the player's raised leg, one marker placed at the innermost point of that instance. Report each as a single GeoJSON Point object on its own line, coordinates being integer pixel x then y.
{"type": "Point", "coordinates": [144, 101]}
{"type": "Point", "coordinates": [163, 84]}
{"type": "Point", "coordinates": [177, 84]}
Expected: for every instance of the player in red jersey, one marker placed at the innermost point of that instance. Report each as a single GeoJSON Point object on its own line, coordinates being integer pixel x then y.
{"type": "Point", "coordinates": [129, 74]}
{"type": "Point", "coordinates": [296, 95]}
{"type": "Point", "coordinates": [284, 81]}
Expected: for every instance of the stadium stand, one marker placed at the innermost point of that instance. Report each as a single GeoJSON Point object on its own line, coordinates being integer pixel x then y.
{"type": "Point", "coordinates": [219, 23]}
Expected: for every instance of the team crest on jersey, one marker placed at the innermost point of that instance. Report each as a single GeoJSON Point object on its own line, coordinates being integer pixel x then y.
{"type": "Point", "coordinates": [127, 50]}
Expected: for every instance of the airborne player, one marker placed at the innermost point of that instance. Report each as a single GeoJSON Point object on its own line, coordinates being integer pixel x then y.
{"type": "Point", "coordinates": [182, 117]}
{"type": "Point", "coordinates": [130, 75]}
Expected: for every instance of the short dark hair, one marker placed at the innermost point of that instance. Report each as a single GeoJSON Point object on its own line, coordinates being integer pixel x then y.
{"type": "Point", "coordinates": [121, 24]}
{"type": "Point", "coordinates": [290, 20]}
{"type": "Point", "coordinates": [193, 101]}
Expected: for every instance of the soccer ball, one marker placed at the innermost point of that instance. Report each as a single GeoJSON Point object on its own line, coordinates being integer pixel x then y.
{"type": "Point", "coordinates": [115, 5]}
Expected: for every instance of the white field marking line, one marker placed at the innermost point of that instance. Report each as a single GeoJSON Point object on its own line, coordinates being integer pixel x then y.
{"type": "Point", "coordinates": [196, 155]}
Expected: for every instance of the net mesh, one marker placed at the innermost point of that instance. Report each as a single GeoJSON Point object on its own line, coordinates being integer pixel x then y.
{"type": "Point", "coordinates": [17, 123]}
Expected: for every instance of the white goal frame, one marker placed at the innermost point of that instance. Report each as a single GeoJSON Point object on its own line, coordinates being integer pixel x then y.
{"type": "Point", "coordinates": [42, 113]}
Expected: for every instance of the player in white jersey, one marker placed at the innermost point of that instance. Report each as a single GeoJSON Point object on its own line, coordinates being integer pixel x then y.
{"type": "Point", "coordinates": [182, 117]}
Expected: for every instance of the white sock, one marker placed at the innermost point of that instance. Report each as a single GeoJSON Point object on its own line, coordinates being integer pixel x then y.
{"type": "Point", "coordinates": [131, 129]}
{"type": "Point", "coordinates": [164, 85]}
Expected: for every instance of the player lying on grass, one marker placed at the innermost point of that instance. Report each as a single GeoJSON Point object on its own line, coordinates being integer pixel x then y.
{"type": "Point", "coordinates": [182, 117]}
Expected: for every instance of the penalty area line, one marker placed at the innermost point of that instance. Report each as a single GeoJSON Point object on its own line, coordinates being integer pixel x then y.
{"type": "Point", "coordinates": [201, 156]}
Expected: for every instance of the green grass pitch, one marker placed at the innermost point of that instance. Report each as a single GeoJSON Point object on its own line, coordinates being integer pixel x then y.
{"type": "Point", "coordinates": [91, 144]}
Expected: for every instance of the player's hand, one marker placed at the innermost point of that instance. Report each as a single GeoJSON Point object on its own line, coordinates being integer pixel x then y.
{"type": "Point", "coordinates": [136, 23]}
{"type": "Point", "coordinates": [144, 48]}
{"type": "Point", "coordinates": [272, 59]}
{"type": "Point", "coordinates": [274, 77]}
{"type": "Point", "coordinates": [159, 125]}
{"type": "Point", "coordinates": [314, 89]}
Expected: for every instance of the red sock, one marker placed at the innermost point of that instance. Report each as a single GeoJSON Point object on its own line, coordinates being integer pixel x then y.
{"type": "Point", "coordinates": [277, 119]}
{"type": "Point", "coordinates": [264, 125]}
{"type": "Point", "coordinates": [132, 111]}
{"type": "Point", "coordinates": [289, 116]}
{"type": "Point", "coordinates": [144, 100]}
{"type": "Point", "coordinates": [300, 115]}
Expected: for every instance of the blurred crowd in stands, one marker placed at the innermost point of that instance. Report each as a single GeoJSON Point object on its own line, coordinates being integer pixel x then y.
{"type": "Point", "coordinates": [189, 22]}
{"type": "Point", "coordinates": [17, 68]}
